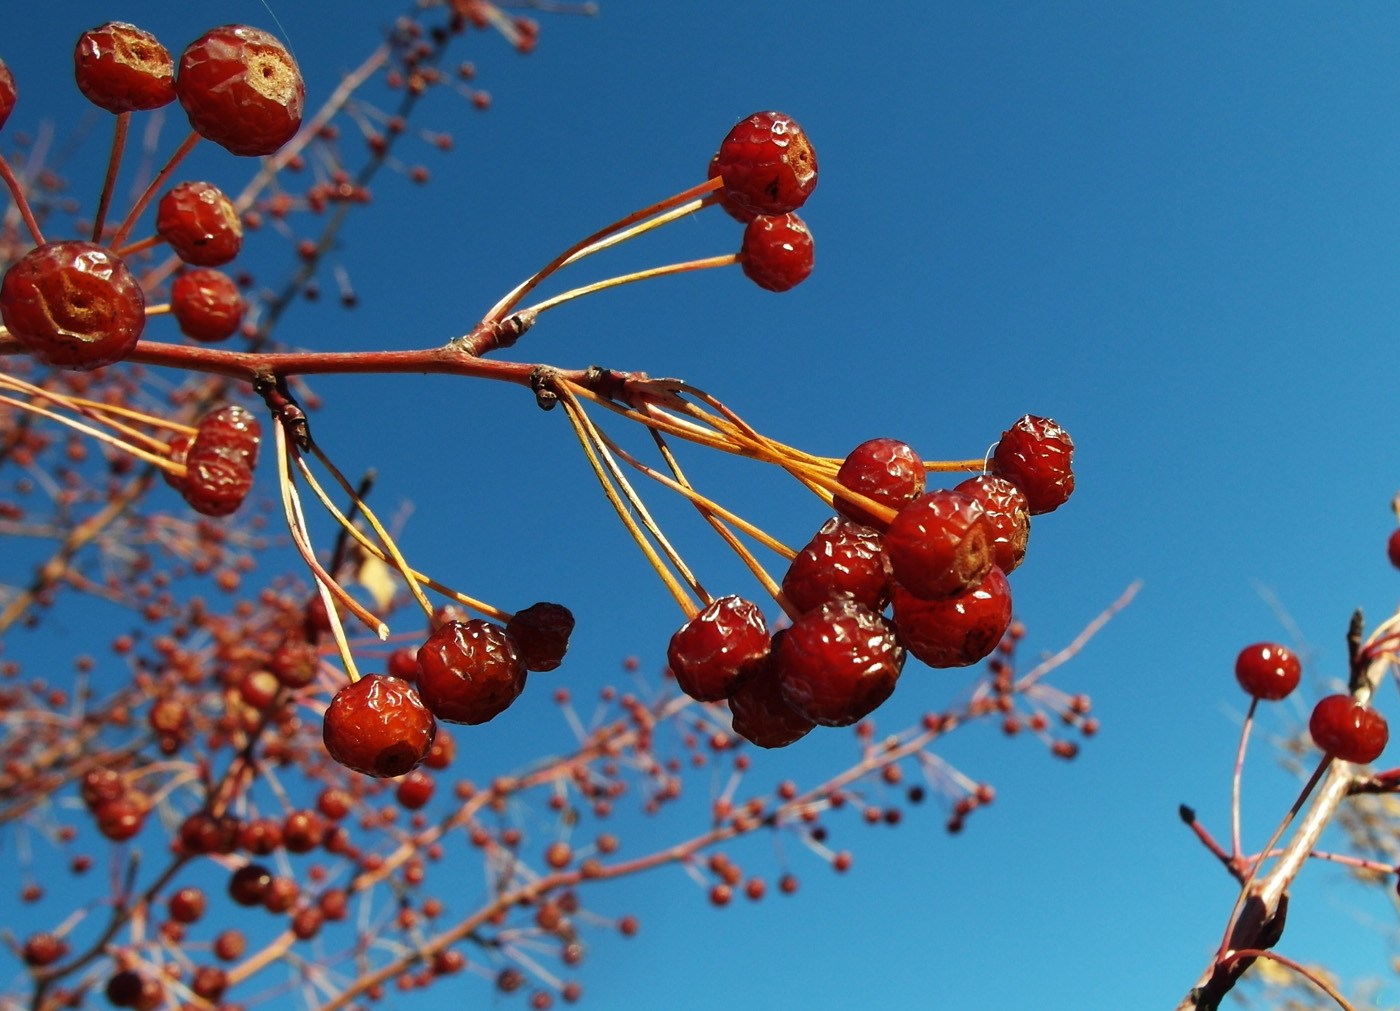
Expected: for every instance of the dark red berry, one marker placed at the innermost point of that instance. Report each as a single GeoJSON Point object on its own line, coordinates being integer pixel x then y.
{"type": "Point", "coordinates": [768, 166]}
{"type": "Point", "coordinates": [231, 430]}
{"type": "Point", "coordinates": [209, 982]}
{"type": "Point", "coordinates": [541, 633]}
{"type": "Point", "coordinates": [207, 305]}
{"type": "Point", "coordinates": [1267, 670]}
{"type": "Point", "coordinates": [122, 818]}
{"type": "Point", "coordinates": [777, 252]}
{"type": "Point", "coordinates": [230, 945]}
{"type": "Point", "coordinates": [294, 663]}
{"type": "Point", "coordinates": [100, 785]}
{"type": "Point", "coordinates": [8, 94]}
{"type": "Point", "coordinates": [1347, 729]}
{"type": "Point", "coordinates": [74, 305]}
{"type": "Point", "coordinates": [1037, 456]}
{"type": "Point", "coordinates": [712, 651]}
{"type": "Point", "coordinates": [215, 484]}
{"type": "Point", "coordinates": [886, 470]}
{"type": "Point", "coordinates": [761, 714]}
{"type": "Point", "coordinates": [844, 561]}
{"type": "Point", "coordinates": [302, 831]}
{"type": "Point", "coordinates": [1007, 512]}
{"type": "Point", "coordinates": [124, 988]}
{"type": "Point", "coordinates": [44, 949]}
{"type": "Point", "coordinates": [187, 905]}
{"type": "Point", "coordinates": [940, 545]}
{"type": "Point", "coordinates": [378, 726]}
{"type": "Point", "coordinates": [1392, 548]}
{"type": "Point", "coordinates": [241, 89]}
{"type": "Point", "coordinates": [248, 885]}
{"type": "Point", "coordinates": [121, 68]}
{"type": "Point", "coordinates": [200, 224]}
{"type": "Point", "coordinates": [838, 663]}
{"type": "Point", "coordinates": [414, 790]}
{"type": "Point", "coordinates": [956, 631]}
{"type": "Point", "coordinates": [469, 671]}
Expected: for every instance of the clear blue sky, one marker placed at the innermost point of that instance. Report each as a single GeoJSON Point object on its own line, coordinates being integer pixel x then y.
{"type": "Point", "coordinates": [1170, 227]}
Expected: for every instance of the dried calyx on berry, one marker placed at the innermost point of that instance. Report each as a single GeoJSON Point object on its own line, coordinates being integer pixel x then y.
{"type": "Point", "coordinates": [768, 166]}
{"type": "Point", "coordinates": [241, 89]}
{"type": "Point", "coordinates": [121, 68]}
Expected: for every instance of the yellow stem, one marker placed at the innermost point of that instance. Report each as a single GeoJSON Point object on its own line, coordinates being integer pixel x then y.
{"type": "Point", "coordinates": [640, 275]}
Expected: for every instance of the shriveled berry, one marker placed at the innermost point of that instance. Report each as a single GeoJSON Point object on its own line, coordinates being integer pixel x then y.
{"type": "Point", "coordinates": [207, 305]}
{"type": "Point", "coordinates": [248, 885]}
{"type": "Point", "coordinates": [1037, 456]}
{"type": "Point", "coordinates": [1007, 512]}
{"type": "Point", "coordinates": [215, 484]}
{"type": "Point", "coordinates": [121, 68]}
{"type": "Point", "coordinates": [886, 470]}
{"type": "Point", "coordinates": [74, 305]}
{"type": "Point", "coordinates": [956, 631]}
{"type": "Point", "coordinates": [777, 252]}
{"type": "Point", "coordinates": [767, 164]}
{"type": "Point", "coordinates": [378, 726]}
{"type": "Point", "coordinates": [1347, 729]}
{"type": "Point", "coordinates": [8, 94]}
{"type": "Point", "coordinates": [761, 715]}
{"type": "Point", "coordinates": [232, 430]}
{"type": "Point", "coordinates": [838, 663]}
{"type": "Point", "coordinates": [712, 651]}
{"type": "Point", "coordinates": [541, 633]}
{"type": "Point", "coordinates": [200, 224]}
{"type": "Point", "coordinates": [1267, 670]}
{"type": "Point", "coordinates": [469, 671]}
{"type": "Point", "coordinates": [844, 561]}
{"type": "Point", "coordinates": [241, 89]}
{"type": "Point", "coordinates": [940, 545]}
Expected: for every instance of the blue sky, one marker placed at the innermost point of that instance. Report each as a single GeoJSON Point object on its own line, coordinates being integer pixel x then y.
{"type": "Point", "coordinates": [1170, 227]}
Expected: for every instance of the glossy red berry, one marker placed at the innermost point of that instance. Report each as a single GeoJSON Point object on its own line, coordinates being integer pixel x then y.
{"type": "Point", "coordinates": [1267, 670]}
{"type": "Point", "coordinates": [777, 252]}
{"type": "Point", "coordinates": [232, 430]}
{"type": "Point", "coordinates": [122, 818]}
{"type": "Point", "coordinates": [378, 726]}
{"type": "Point", "coordinates": [1008, 513]}
{"type": "Point", "coordinates": [844, 561]}
{"type": "Point", "coordinates": [241, 89]}
{"type": "Point", "coordinates": [74, 305]}
{"type": "Point", "coordinates": [469, 671]}
{"type": "Point", "coordinates": [1037, 456]}
{"type": "Point", "coordinates": [187, 905]}
{"type": "Point", "coordinates": [956, 631]}
{"type": "Point", "coordinates": [838, 663]}
{"type": "Point", "coordinates": [121, 68]}
{"type": "Point", "coordinates": [767, 164]}
{"type": "Point", "coordinates": [8, 94]}
{"type": "Point", "coordinates": [215, 484]}
{"type": "Point", "coordinates": [1392, 548]}
{"type": "Point", "coordinates": [712, 651]}
{"type": "Point", "coordinates": [541, 633]}
{"type": "Point", "coordinates": [248, 885]}
{"type": "Point", "coordinates": [207, 305]}
{"type": "Point", "coordinates": [886, 470]}
{"type": "Point", "coordinates": [1346, 729]}
{"type": "Point", "coordinates": [940, 545]}
{"type": "Point", "coordinates": [760, 713]}
{"type": "Point", "coordinates": [200, 224]}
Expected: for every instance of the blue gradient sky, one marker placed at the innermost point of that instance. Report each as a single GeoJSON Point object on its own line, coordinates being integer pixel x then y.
{"type": "Point", "coordinates": [1170, 227]}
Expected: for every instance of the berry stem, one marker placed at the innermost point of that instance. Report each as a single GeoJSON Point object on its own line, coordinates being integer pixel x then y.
{"type": "Point", "coordinates": [17, 194]}
{"type": "Point", "coordinates": [728, 259]}
{"type": "Point", "coordinates": [109, 182]}
{"type": "Point", "coordinates": [149, 242]}
{"type": "Point", "coordinates": [1315, 978]}
{"type": "Point", "coordinates": [122, 447]}
{"type": "Point", "coordinates": [138, 208]}
{"type": "Point", "coordinates": [1235, 850]}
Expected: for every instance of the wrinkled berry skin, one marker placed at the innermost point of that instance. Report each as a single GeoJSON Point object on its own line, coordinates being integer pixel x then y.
{"type": "Point", "coordinates": [1346, 729]}
{"type": "Point", "coordinates": [541, 633]}
{"type": "Point", "coordinates": [469, 671]}
{"type": "Point", "coordinates": [940, 545]}
{"type": "Point", "coordinates": [1008, 514]}
{"type": "Point", "coordinates": [207, 305]}
{"type": "Point", "coordinates": [200, 224]}
{"type": "Point", "coordinates": [712, 651]}
{"type": "Point", "coordinates": [1268, 671]}
{"type": "Point", "coordinates": [378, 726]}
{"type": "Point", "coordinates": [219, 462]}
{"type": "Point", "coordinates": [844, 561]}
{"type": "Point", "coordinates": [1037, 456]}
{"type": "Point", "coordinates": [241, 89]}
{"type": "Point", "coordinates": [838, 663]}
{"type": "Point", "coordinates": [120, 68]}
{"type": "Point", "coordinates": [958, 631]}
{"type": "Point", "coordinates": [759, 712]}
{"type": "Point", "coordinates": [74, 305]}
{"type": "Point", "coordinates": [777, 252]}
{"type": "Point", "coordinates": [767, 164]}
{"type": "Point", "coordinates": [886, 470]}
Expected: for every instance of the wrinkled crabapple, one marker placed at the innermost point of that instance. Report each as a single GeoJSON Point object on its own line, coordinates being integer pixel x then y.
{"type": "Point", "coordinates": [200, 224]}
{"type": "Point", "coordinates": [955, 631]}
{"type": "Point", "coordinates": [844, 561]}
{"type": "Point", "coordinates": [767, 164]}
{"type": "Point", "coordinates": [1037, 456]}
{"type": "Point", "coordinates": [712, 651]}
{"type": "Point", "coordinates": [761, 714]}
{"type": "Point", "coordinates": [940, 545]}
{"type": "Point", "coordinates": [378, 726]}
{"type": "Point", "coordinates": [469, 671]}
{"type": "Point", "coordinates": [121, 68]}
{"type": "Point", "coordinates": [241, 89]}
{"type": "Point", "coordinates": [206, 304]}
{"type": "Point", "coordinates": [886, 470]}
{"type": "Point", "coordinates": [777, 252]}
{"type": "Point", "coordinates": [838, 663]}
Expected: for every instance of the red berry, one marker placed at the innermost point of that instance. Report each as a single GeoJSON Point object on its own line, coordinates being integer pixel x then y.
{"type": "Point", "coordinates": [187, 905]}
{"type": "Point", "coordinates": [940, 545]}
{"type": "Point", "coordinates": [209, 982]}
{"type": "Point", "coordinates": [414, 790]}
{"type": "Point", "coordinates": [1036, 455]}
{"type": "Point", "coordinates": [838, 663]}
{"type": "Point", "coordinates": [207, 305]}
{"type": "Point", "coordinates": [541, 633]}
{"type": "Point", "coordinates": [215, 484]}
{"type": "Point", "coordinates": [200, 224]}
{"type": "Point", "coordinates": [1267, 670]}
{"type": "Point", "coordinates": [956, 631]}
{"type": "Point", "coordinates": [100, 785]}
{"type": "Point", "coordinates": [1346, 729]}
{"type": "Point", "coordinates": [73, 304]}
{"type": "Point", "coordinates": [761, 714]}
{"type": "Point", "coordinates": [1007, 512]}
{"type": "Point", "coordinates": [241, 89]}
{"type": "Point", "coordinates": [294, 663]}
{"type": "Point", "coordinates": [302, 831]}
{"type": "Point", "coordinates": [844, 561]}
{"type": "Point", "coordinates": [1392, 548]}
{"type": "Point", "coordinates": [712, 651]}
{"type": "Point", "coordinates": [378, 726]}
{"type": "Point", "coordinates": [777, 252]}
{"type": "Point", "coordinates": [44, 949]}
{"type": "Point", "coordinates": [231, 430]}
{"type": "Point", "coordinates": [469, 671]}
{"type": "Point", "coordinates": [886, 470]}
{"type": "Point", "coordinates": [8, 94]}
{"type": "Point", "coordinates": [248, 885]}
{"type": "Point", "coordinates": [121, 68]}
{"type": "Point", "coordinates": [767, 164]}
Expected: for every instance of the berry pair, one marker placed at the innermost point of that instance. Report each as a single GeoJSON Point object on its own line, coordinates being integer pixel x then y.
{"type": "Point", "coordinates": [219, 461]}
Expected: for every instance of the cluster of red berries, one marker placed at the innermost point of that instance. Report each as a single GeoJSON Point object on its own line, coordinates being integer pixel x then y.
{"type": "Point", "coordinates": [466, 672]}
{"type": "Point", "coordinates": [940, 564]}
{"type": "Point", "coordinates": [219, 460]}
{"type": "Point", "coordinates": [76, 304]}
{"type": "Point", "coordinates": [769, 169]}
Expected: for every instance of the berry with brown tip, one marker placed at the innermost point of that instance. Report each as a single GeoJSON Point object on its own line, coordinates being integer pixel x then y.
{"type": "Point", "coordinates": [207, 305]}
{"type": "Point", "coordinates": [469, 671]}
{"type": "Point", "coordinates": [767, 164]}
{"type": "Point", "coordinates": [74, 305]}
{"type": "Point", "coordinates": [1007, 512]}
{"type": "Point", "coordinates": [844, 561]}
{"type": "Point", "coordinates": [241, 89]}
{"type": "Point", "coordinates": [200, 224]}
{"type": "Point", "coordinates": [1267, 670]}
{"type": "Point", "coordinates": [760, 713]}
{"type": "Point", "coordinates": [940, 545]}
{"type": "Point", "coordinates": [886, 470]}
{"type": "Point", "coordinates": [1037, 456]}
{"type": "Point", "coordinates": [712, 651]}
{"type": "Point", "coordinates": [1347, 729]}
{"type": "Point", "coordinates": [378, 726]}
{"type": "Point", "coordinates": [777, 252]}
{"type": "Point", "coordinates": [956, 631]}
{"type": "Point", "coordinates": [541, 633]}
{"type": "Point", "coordinates": [121, 68]}
{"type": "Point", "coordinates": [838, 663]}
